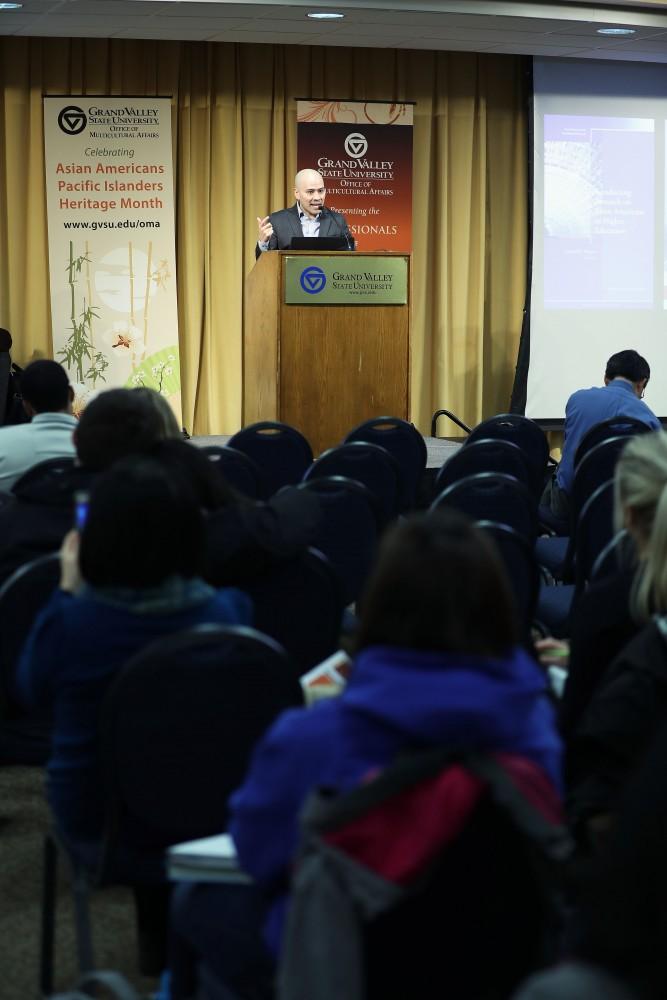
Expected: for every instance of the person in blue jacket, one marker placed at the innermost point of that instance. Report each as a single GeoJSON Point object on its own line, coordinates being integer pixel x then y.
{"type": "Point", "coordinates": [438, 665]}
{"type": "Point", "coordinates": [130, 575]}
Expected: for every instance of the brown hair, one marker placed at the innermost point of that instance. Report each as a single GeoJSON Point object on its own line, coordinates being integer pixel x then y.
{"type": "Point", "coordinates": [439, 584]}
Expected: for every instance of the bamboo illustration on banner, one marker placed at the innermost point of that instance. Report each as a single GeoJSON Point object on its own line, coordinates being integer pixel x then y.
{"type": "Point", "coordinates": [79, 349]}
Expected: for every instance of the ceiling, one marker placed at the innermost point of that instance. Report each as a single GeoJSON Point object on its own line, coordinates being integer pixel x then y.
{"type": "Point", "coordinates": [548, 29]}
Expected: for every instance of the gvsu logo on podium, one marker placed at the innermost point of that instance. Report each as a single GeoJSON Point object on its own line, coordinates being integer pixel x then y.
{"type": "Point", "coordinates": [313, 280]}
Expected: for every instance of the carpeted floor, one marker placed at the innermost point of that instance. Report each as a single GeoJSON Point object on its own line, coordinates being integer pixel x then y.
{"type": "Point", "coordinates": [23, 820]}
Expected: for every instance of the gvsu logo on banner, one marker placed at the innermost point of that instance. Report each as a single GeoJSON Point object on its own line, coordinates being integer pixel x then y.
{"type": "Point", "coordinates": [356, 145]}
{"type": "Point", "coordinates": [313, 279]}
{"type": "Point", "coordinates": [72, 120]}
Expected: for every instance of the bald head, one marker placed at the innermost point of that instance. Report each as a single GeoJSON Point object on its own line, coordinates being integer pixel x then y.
{"type": "Point", "coordinates": [310, 192]}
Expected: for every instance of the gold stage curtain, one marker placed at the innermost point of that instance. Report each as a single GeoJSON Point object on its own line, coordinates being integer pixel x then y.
{"type": "Point", "coordinates": [234, 128]}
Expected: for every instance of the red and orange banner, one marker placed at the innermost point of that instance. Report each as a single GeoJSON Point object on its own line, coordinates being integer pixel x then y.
{"type": "Point", "coordinates": [363, 149]}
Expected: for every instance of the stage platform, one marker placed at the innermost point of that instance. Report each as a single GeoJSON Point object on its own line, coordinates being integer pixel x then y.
{"type": "Point", "coordinates": [438, 450]}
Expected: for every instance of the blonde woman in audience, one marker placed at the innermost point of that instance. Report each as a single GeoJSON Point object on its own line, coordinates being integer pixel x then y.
{"type": "Point", "coordinates": [629, 701]}
{"type": "Point", "coordinates": [613, 609]}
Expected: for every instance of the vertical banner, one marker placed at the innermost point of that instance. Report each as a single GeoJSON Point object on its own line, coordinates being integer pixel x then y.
{"type": "Point", "coordinates": [112, 260]}
{"type": "Point", "coordinates": [363, 149]}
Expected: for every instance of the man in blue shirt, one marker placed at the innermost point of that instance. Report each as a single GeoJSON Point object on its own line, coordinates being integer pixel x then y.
{"type": "Point", "coordinates": [625, 379]}
{"type": "Point", "coordinates": [47, 401]}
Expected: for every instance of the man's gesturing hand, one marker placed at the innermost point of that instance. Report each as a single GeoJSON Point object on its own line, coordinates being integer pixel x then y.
{"type": "Point", "coordinates": [265, 229]}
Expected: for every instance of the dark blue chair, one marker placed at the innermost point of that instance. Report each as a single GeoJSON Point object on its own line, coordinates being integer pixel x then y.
{"type": "Point", "coordinates": [614, 427]}
{"type": "Point", "coordinates": [25, 737]}
{"type": "Point", "coordinates": [594, 530]}
{"type": "Point", "coordinates": [494, 497]}
{"type": "Point", "coordinates": [596, 467]}
{"type": "Point", "coordinates": [365, 463]}
{"type": "Point", "coordinates": [52, 468]}
{"type": "Point", "coordinates": [236, 468]}
{"type": "Point", "coordinates": [300, 604]}
{"type": "Point", "coordinates": [524, 433]}
{"type": "Point", "coordinates": [402, 440]}
{"type": "Point", "coordinates": [619, 553]}
{"type": "Point", "coordinates": [281, 453]}
{"type": "Point", "coordinates": [518, 558]}
{"type": "Point", "coordinates": [348, 534]}
{"type": "Point", "coordinates": [484, 455]}
{"type": "Point", "coordinates": [177, 728]}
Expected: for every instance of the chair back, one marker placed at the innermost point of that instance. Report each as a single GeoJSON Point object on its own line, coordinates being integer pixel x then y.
{"type": "Point", "coordinates": [236, 468]}
{"type": "Point", "coordinates": [5, 371]}
{"type": "Point", "coordinates": [484, 455]}
{"type": "Point", "coordinates": [618, 554]}
{"type": "Point", "coordinates": [52, 469]}
{"type": "Point", "coordinates": [596, 467]}
{"type": "Point", "coordinates": [614, 427]}
{"type": "Point", "coordinates": [492, 496]}
{"type": "Point", "coordinates": [518, 557]}
{"type": "Point", "coordinates": [300, 604]}
{"type": "Point", "coordinates": [593, 532]}
{"type": "Point", "coordinates": [349, 530]}
{"type": "Point", "coordinates": [22, 597]}
{"type": "Point", "coordinates": [281, 453]}
{"type": "Point", "coordinates": [402, 440]}
{"type": "Point", "coordinates": [366, 463]}
{"type": "Point", "coordinates": [178, 725]}
{"type": "Point", "coordinates": [526, 434]}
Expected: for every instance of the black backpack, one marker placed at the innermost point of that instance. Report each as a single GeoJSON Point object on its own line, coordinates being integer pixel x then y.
{"type": "Point", "coordinates": [467, 907]}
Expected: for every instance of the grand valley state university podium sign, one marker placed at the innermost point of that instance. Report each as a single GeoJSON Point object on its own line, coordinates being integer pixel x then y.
{"type": "Point", "coordinates": [336, 350]}
{"type": "Point", "coordinates": [346, 280]}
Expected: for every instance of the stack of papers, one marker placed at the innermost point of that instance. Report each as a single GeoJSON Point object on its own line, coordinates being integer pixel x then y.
{"type": "Point", "coordinates": [210, 859]}
{"type": "Point", "coordinates": [327, 678]}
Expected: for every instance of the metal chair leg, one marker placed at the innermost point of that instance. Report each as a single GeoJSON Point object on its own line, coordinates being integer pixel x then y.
{"type": "Point", "coordinates": [84, 939]}
{"type": "Point", "coordinates": [48, 915]}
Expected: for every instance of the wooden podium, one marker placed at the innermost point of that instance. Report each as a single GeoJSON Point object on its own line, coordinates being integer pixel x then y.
{"type": "Point", "coordinates": [323, 368]}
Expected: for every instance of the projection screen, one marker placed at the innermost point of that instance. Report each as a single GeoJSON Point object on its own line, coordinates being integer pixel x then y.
{"type": "Point", "coordinates": [599, 271]}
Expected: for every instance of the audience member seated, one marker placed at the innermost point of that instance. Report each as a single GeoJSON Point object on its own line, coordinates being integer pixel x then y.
{"type": "Point", "coordinates": [613, 609]}
{"type": "Point", "coordinates": [625, 379]}
{"type": "Point", "coordinates": [132, 576]}
{"type": "Point", "coordinates": [629, 702]}
{"type": "Point", "coordinates": [116, 423]}
{"type": "Point", "coordinates": [622, 916]}
{"type": "Point", "coordinates": [438, 665]}
{"type": "Point", "coordinates": [11, 405]}
{"type": "Point", "coordinates": [47, 400]}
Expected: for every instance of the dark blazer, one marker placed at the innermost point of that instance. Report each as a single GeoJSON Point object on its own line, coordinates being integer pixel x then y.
{"type": "Point", "coordinates": [286, 224]}
{"type": "Point", "coordinates": [628, 708]}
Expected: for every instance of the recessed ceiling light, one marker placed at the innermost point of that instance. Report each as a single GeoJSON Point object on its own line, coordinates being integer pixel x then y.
{"type": "Point", "coordinates": [325, 15]}
{"type": "Point", "coordinates": [616, 31]}
{"type": "Point", "coordinates": [10, 6]}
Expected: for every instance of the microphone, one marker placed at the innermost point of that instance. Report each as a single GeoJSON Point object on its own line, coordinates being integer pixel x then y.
{"type": "Point", "coordinates": [343, 231]}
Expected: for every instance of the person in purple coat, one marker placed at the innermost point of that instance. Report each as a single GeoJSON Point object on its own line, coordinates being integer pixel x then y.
{"type": "Point", "coordinates": [438, 665]}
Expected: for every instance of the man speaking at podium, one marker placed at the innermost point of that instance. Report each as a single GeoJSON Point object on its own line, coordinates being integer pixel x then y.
{"type": "Point", "coordinates": [308, 217]}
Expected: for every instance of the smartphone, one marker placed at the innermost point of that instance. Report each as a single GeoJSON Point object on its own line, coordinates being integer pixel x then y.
{"type": "Point", "coordinates": [81, 501]}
